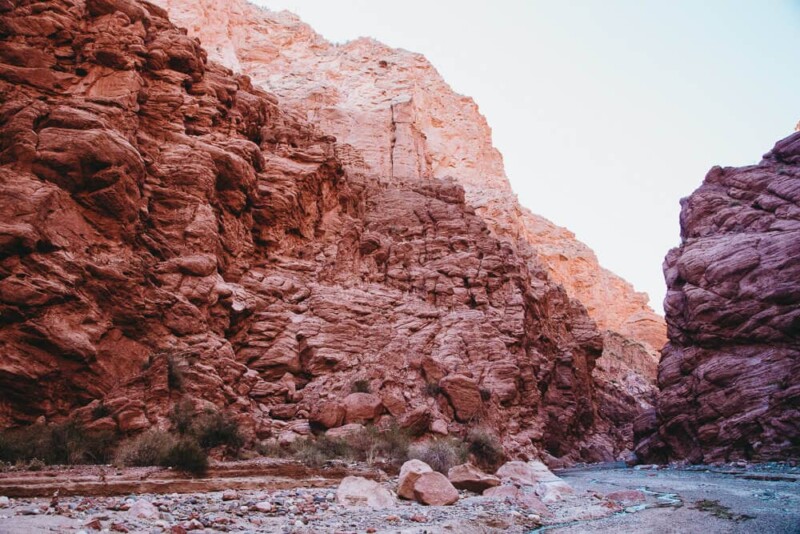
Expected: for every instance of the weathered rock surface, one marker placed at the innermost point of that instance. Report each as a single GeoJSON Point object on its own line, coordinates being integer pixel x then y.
{"type": "Point", "coordinates": [359, 491]}
{"type": "Point", "coordinates": [397, 119]}
{"type": "Point", "coordinates": [729, 378]}
{"type": "Point", "coordinates": [469, 477]}
{"type": "Point", "coordinates": [410, 471]}
{"type": "Point", "coordinates": [547, 486]}
{"type": "Point", "coordinates": [169, 231]}
{"type": "Point", "coordinates": [433, 489]}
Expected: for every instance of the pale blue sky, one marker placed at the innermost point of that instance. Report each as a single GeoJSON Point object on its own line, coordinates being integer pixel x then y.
{"type": "Point", "coordinates": [606, 112]}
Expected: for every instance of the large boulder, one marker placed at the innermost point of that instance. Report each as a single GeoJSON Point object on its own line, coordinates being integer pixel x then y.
{"type": "Point", "coordinates": [434, 489]}
{"type": "Point", "coordinates": [547, 486]}
{"type": "Point", "coordinates": [328, 414]}
{"type": "Point", "coordinates": [409, 473]}
{"type": "Point", "coordinates": [362, 407]}
{"type": "Point", "coordinates": [359, 491]}
{"type": "Point", "coordinates": [464, 396]}
{"type": "Point", "coordinates": [469, 477]}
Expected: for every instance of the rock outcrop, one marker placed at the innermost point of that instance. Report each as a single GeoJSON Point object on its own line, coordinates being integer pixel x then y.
{"type": "Point", "coordinates": [170, 231]}
{"type": "Point", "coordinates": [395, 118]}
{"type": "Point", "coordinates": [405, 122]}
{"type": "Point", "coordinates": [729, 377]}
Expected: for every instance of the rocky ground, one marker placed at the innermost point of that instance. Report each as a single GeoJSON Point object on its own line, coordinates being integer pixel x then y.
{"type": "Point", "coordinates": [720, 499]}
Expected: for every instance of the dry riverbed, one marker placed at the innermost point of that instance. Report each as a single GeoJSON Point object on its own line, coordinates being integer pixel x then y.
{"type": "Point", "coordinates": [283, 497]}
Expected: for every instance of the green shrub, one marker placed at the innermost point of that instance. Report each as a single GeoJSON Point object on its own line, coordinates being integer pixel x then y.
{"type": "Point", "coordinates": [186, 455]}
{"type": "Point", "coordinates": [35, 465]}
{"type": "Point", "coordinates": [361, 386]}
{"type": "Point", "coordinates": [100, 411]}
{"type": "Point", "coordinates": [432, 389]}
{"type": "Point", "coordinates": [271, 449]}
{"type": "Point", "coordinates": [486, 448]}
{"type": "Point", "coordinates": [369, 445]}
{"type": "Point", "coordinates": [182, 416]}
{"type": "Point", "coordinates": [175, 378]}
{"type": "Point", "coordinates": [213, 429]}
{"type": "Point", "coordinates": [148, 448]}
{"type": "Point", "coordinates": [311, 452]}
{"type": "Point", "coordinates": [65, 443]}
{"type": "Point", "coordinates": [441, 454]}
{"type": "Point", "coordinates": [389, 444]}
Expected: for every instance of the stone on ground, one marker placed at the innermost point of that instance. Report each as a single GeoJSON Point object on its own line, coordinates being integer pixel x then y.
{"type": "Point", "coordinates": [409, 474]}
{"type": "Point", "coordinates": [359, 491]}
{"type": "Point", "coordinates": [469, 477]}
{"type": "Point", "coordinates": [142, 509]}
{"type": "Point", "coordinates": [434, 489]}
{"type": "Point", "coordinates": [548, 486]}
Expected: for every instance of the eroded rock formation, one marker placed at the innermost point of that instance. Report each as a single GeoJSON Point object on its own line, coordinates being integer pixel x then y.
{"type": "Point", "coordinates": [396, 119]}
{"type": "Point", "coordinates": [169, 230]}
{"type": "Point", "coordinates": [405, 122]}
{"type": "Point", "coordinates": [730, 375]}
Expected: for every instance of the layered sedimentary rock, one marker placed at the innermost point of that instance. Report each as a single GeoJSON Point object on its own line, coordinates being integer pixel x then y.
{"type": "Point", "coordinates": [170, 231]}
{"type": "Point", "coordinates": [729, 378]}
{"type": "Point", "coordinates": [406, 122]}
{"type": "Point", "coordinates": [397, 119]}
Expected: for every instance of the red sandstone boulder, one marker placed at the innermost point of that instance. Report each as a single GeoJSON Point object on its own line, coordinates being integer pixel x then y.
{"type": "Point", "coordinates": [535, 474]}
{"type": "Point", "coordinates": [433, 488]}
{"type": "Point", "coordinates": [328, 414]}
{"type": "Point", "coordinates": [469, 477]}
{"type": "Point", "coordinates": [358, 491]}
{"type": "Point", "coordinates": [409, 473]}
{"type": "Point", "coordinates": [362, 407]}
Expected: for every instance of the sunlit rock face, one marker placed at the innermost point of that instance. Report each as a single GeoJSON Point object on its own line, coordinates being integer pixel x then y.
{"type": "Point", "coordinates": [730, 374]}
{"type": "Point", "coordinates": [406, 123]}
{"type": "Point", "coordinates": [396, 119]}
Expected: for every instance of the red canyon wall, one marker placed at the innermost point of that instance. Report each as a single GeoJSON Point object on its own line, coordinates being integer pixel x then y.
{"type": "Point", "coordinates": [405, 122]}
{"type": "Point", "coordinates": [397, 119]}
{"type": "Point", "coordinates": [171, 230]}
{"type": "Point", "coordinates": [730, 375]}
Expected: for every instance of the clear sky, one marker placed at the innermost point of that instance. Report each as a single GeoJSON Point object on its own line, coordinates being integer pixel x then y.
{"type": "Point", "coordinates": [607, 112]}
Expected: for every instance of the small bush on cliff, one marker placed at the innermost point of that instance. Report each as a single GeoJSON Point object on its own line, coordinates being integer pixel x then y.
{"type": "Point", "coordinates": [361, 386]}
{"type": "Point", "coordinates": [175, 379]}
{"type": "Point", "coordinates": [441, 454]}
{"type": "Point", "coordinates": [100, 411]}
{"type": "Point", "coordinates": [148, 448]}
{"type": "Point", "coordinates": [182, 416]}
{"type": "Point", "coordinates": [432, 389]}
{"type": "Point", "coordinates": [186, 455]}
{"type": "Point", "coordinates": [485, 447]}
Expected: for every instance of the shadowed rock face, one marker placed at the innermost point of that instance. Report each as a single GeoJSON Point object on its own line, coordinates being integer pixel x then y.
{"type": "Point", "coordinates": [730, 375]}
{"type": "Point", "coordinates": [170, 231]}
